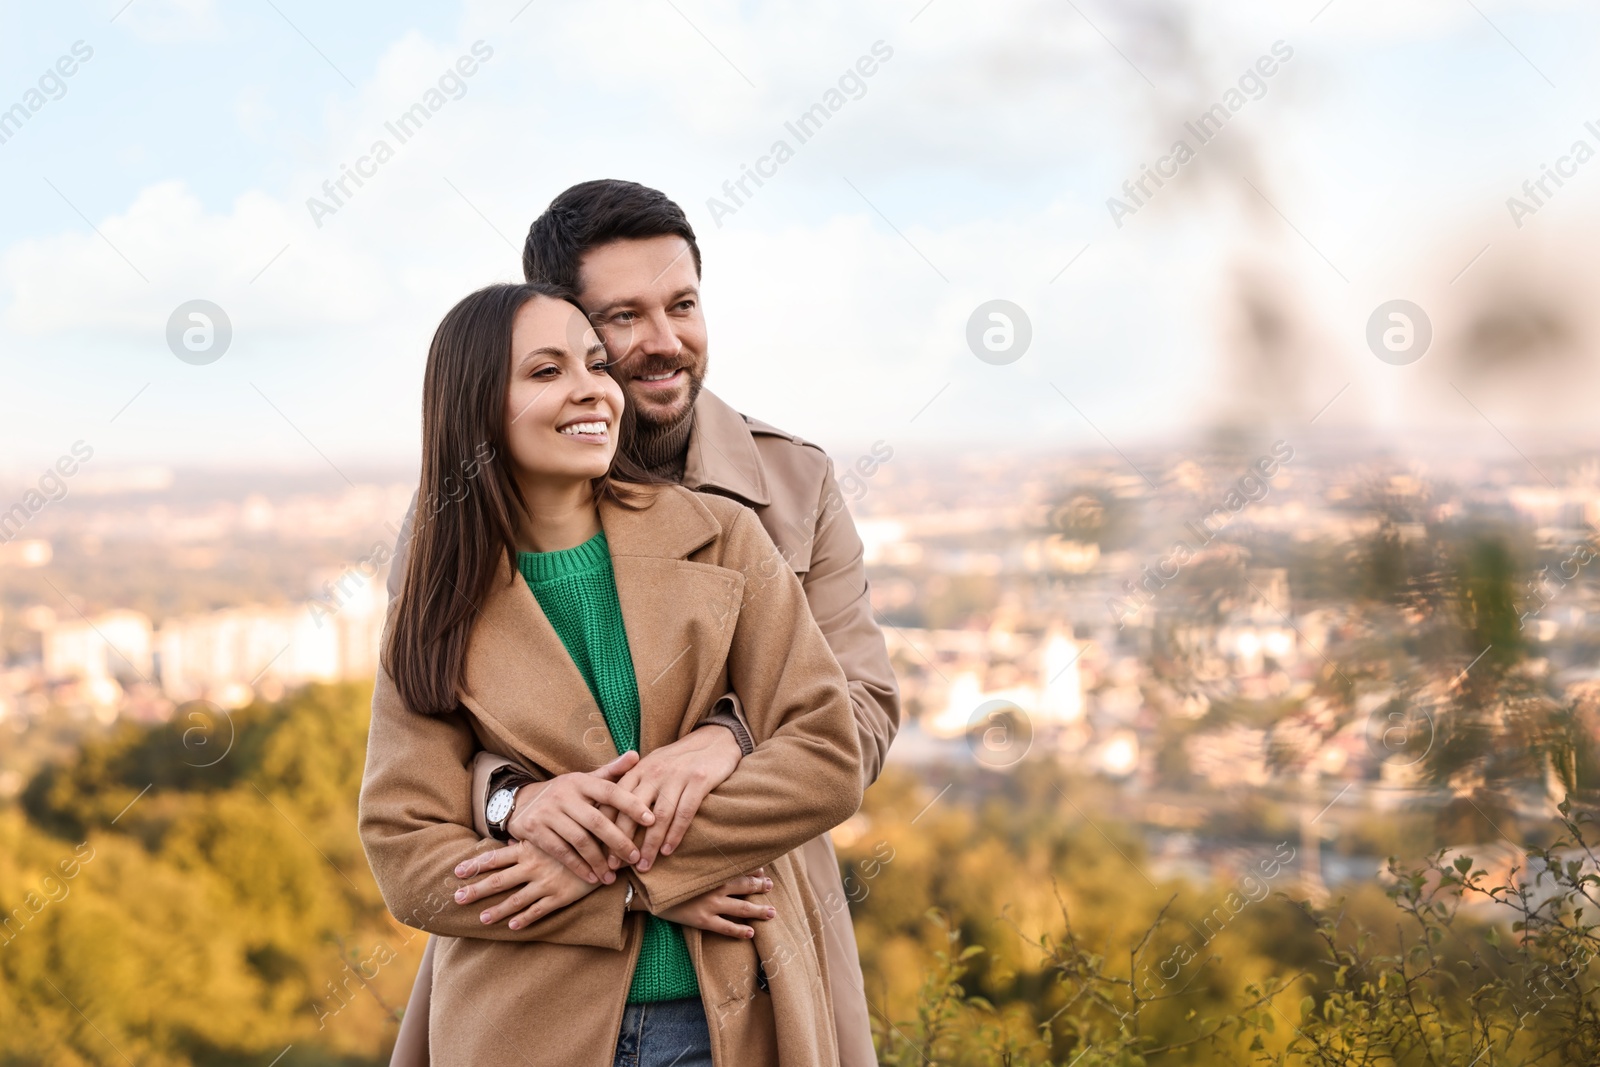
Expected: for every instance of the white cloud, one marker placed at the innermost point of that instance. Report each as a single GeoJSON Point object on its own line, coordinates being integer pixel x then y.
{"type": "Point", "coordinates": [990, 139]}
{"type": "Point", "coordinates": [81, 282]}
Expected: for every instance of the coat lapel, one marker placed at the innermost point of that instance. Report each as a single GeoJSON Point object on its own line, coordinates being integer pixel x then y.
{"type": "Point", "coordinates": [679, 615]}
{"type": "Point", "coordinates": [723, 454]}
{"type": "Point", "coordinates": [522, 685]}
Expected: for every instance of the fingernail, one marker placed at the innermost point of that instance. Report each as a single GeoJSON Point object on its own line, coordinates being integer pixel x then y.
{"type": "Point", "coordinates": [769, 884]}
{"type": "Point", "coordinates": [515, 925]}
{"type": "Point", "coordinates": [666, 850]}
{"type": "Point", "coordinates": [633, 857]}
{"type": "Point", "coordinates": [461, 896]}
{"type": "Point", "coordinates": [644, 865]}
{"type": "Point", "coordinates": [590, 878]}
{"type": "Point", "coordinates": [483, 917]}
{"type": "Point", "coordinates": [609, 878]}
{"type": "Point", "coordinates": [461, 870]}
{"type": "Point", "coordinates": [771, 914]}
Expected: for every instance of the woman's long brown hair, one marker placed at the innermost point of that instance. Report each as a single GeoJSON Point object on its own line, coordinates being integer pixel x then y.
{"type": "Point", "coordinates": [469, 505]}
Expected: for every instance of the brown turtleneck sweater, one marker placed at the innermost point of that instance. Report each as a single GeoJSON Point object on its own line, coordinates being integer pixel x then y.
{"type": "Point", "coordinates": [664, 450]}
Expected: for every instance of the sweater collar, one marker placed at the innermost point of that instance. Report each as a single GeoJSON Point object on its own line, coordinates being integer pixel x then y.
{"type": "Point", "coordinates": [593, 554]}
{"type": "Point", "coordinates": [663, 450]}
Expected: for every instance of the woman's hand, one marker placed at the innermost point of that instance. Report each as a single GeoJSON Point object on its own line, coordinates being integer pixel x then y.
{"type": "Point", "coordinates": [563, 817]}
{"type": "Point", "coordinates": [546, 883]}
{"type": "Point", "coordinates": [673, 780]}
{"type": "Point", "coordinates": [716, 911]}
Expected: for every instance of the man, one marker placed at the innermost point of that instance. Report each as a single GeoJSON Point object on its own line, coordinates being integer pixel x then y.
{"type": "Point", "coordinates": [630, 255]}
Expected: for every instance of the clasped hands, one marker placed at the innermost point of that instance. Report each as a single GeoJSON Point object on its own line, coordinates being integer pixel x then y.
{"type": "Point", "coordinates": [573, 833]}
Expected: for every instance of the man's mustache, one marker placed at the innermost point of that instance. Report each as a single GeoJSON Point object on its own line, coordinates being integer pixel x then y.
{"type": "Point", "coordinates": [647, 368]}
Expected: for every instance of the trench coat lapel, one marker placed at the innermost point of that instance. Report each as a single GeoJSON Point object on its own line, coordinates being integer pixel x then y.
{"type": "Point", "coordinates": [679, 615]}
{"type": "Point", "coordinates": [522, 685]}
{"type": "Point", "coordinates": [723, 455]}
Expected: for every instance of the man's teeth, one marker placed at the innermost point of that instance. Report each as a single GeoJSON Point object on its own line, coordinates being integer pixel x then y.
{"type": "Point", "coordinates": [657, 377]}
{"type": "Point", "coordinates": [585, 427]}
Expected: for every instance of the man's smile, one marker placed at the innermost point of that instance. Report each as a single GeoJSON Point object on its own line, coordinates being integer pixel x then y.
{"type": "Point", "coordinates": [661, 379]}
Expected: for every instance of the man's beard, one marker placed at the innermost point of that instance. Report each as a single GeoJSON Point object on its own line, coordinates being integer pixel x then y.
{"type": "Point", "coordinates": [649, 421]}
{"type": "Point", "coordinates": [660, 446]}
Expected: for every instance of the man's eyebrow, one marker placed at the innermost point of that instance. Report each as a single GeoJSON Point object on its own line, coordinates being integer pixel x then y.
{"type": "Point", "coordinates": [606, 309]}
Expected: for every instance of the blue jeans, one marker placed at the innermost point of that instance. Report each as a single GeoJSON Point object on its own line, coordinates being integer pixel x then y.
{"type": "Point", "coordinates": [664, 1033]}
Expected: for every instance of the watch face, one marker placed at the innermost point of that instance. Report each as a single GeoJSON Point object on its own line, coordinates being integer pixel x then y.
{"type": "Point", "coordinates": [500, 805]}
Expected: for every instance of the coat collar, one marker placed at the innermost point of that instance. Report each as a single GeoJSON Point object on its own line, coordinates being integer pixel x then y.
{"type": "Point", "coordinates": [672, 526]}
{"type": "Point", "coordinates": [521, 685]}
{"type": "Point", "coordinates": [723, 454]}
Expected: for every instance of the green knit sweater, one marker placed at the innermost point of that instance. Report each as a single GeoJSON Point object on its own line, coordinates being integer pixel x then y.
{"type": "Point", "coordinates": [577, 590]}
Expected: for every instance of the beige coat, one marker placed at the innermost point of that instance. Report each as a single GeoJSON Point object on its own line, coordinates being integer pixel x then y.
{"type": "Point", "coordinates": [708, 608]}
{"type": "Point", "coordinates": [790, 485]}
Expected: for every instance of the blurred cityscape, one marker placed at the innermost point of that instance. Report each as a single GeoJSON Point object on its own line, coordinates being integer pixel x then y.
{"type": "Point", "coordinates": [1343, 636]}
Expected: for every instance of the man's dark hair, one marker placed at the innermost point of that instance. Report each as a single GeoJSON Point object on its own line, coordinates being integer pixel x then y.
{"type": "Point", "coordinates": [591, 214]}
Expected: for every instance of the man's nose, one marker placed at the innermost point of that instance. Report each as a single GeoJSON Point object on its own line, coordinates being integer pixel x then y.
{"type": "Point", "coordinates": [656, 336]}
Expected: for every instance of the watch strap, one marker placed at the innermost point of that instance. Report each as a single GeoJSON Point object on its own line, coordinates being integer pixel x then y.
{"type": "Point", "coordinates": [504, 778]}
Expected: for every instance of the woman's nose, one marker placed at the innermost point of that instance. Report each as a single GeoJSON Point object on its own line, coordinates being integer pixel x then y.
{"type": "Point", "coordinates": [586, 390]}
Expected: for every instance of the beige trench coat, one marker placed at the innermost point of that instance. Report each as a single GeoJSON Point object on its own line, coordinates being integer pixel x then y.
{"type": "Point", "coordinates": [790, 484]}
{"type": "Point", "coordinates": [709, 608]}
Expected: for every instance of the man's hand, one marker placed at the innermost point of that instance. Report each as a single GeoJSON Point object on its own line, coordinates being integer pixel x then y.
{"type": "Point", "coordinates": [564, 817]}
{"type": "Point", "coordinates": [716, 911]}
{"type": "Point", "coordinates": [672, 781]}
{"type": "Point", "coordinates": [546, 883]}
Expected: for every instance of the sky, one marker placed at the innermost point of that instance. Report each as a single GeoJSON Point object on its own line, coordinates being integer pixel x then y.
{"type": "Point", "coordinates": [184, 157]}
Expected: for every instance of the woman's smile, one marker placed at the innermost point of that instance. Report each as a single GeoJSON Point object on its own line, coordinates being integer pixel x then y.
{"type": "Point", "coordinates": [587, 429]}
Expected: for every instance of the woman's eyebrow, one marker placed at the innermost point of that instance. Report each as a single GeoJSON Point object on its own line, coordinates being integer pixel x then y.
{"type": "Point", "coordinates": [547, 350]}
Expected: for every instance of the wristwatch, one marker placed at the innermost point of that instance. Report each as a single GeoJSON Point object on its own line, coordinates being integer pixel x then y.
{"type": "Point", "coordinates": [502, 802]}
{"type": "Point", "coordinates": [505, 779]}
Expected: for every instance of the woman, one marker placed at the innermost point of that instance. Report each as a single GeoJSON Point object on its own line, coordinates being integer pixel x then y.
{"type": "Point", "coordinates": [557, 616]}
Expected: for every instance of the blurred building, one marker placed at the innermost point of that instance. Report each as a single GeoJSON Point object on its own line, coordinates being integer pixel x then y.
{"type": "Point", "coordinates": [1044, 682]}
{"type": "Point", "coordinates": [223, 656]}
{"type": "Point", "coordinates": [115, 644]}
{"type": "Point", "coordinates": [31, 553]}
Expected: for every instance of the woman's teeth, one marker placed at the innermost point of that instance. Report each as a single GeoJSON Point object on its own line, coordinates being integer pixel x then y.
{"type": "Point", "coordinates": [576, 428]}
